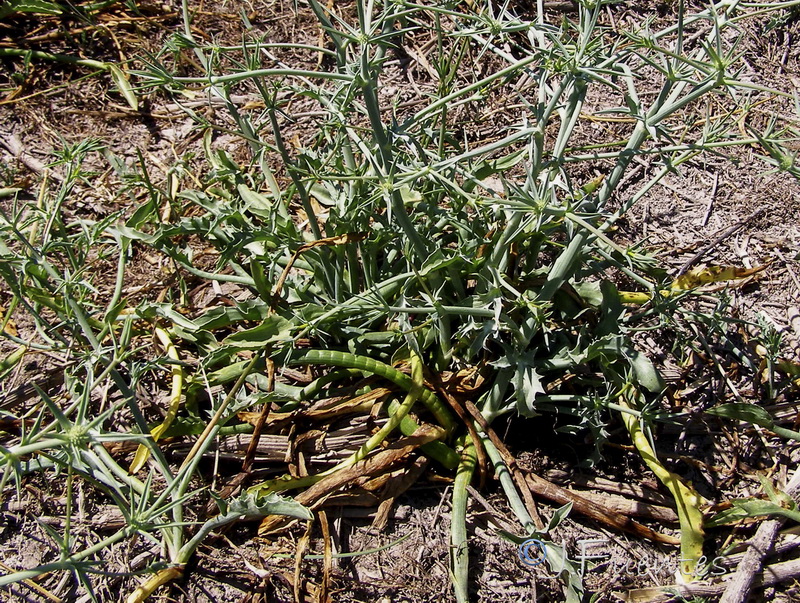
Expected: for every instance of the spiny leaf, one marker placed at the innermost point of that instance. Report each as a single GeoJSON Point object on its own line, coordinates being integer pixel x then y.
{"type": "Point", "coordinates": [527, 385]}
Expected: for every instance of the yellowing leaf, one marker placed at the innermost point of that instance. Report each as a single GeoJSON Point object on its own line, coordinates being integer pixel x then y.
{"type": "Point", "coordinates": [697, 277]}
{"type": "Point", "coordinates": [687, 499]}
{"type": "Point", "coordinates": [11, 327]}
{"type": "Point", "coordinates": [142, 452]}
{"type": "Point", "coordinates": [590, 187]}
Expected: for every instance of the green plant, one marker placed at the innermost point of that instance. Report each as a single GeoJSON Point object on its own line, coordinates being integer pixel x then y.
{"type": "Point", "coordinates": [46, 262]}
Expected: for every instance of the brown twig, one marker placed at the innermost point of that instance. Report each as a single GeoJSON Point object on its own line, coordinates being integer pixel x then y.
{"type": "Point", "coordinates": [482, 462]}
{"type": "Point", "coordinates": [350, 237]}
{"type": "Point", "coordinates": [639, 491]}
{"type": "Point", "coordinates": [14, 146]}
{"type": "Point", "coordinates": [324, 587]}
{"type": "Point", "coordinates": [496, 516]}
{"type": "Point", "coordinates": [315, 495]}
{"type": "Point", "coordinates": [631, 508]}
{"type": "Point", "coordinates": [247, 463]}
{"type": "Point", "coordinates": [511, 464]}
{"type": "Point", "coordinates": [599, 513]}
{"type": "Point", "coordinates": [725, 234]}
{"type": "Point", "coordinates": [395, 488]}
{"type": "Point", "coordinates": [302, 547]}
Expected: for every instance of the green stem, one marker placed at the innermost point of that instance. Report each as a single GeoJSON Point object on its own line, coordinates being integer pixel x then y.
{"type": "Point", "coordinates": [66, 564]}
{"type": "Point", "coordinates": [369, 365]}
{"type": "Point", "coordinates": [459, 546]}
{"type": "Point", "coordinates": [49, 56]}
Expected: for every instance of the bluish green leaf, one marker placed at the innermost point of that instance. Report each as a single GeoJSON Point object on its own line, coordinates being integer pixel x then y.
{"type": "Point", "coordinates": [34, 7]}
{"type": "Point", "coordinates": [646, 374]}
{"type": "Point", "coordinates": [751, 413]}
{"type": "Point", "coordinates": [527, 385]}
{"type": "Point", "coordinates": [273, 329]}
{"type": "Point", "coordinates": [751, 507]}
{"type": "Point", "coordinates": [216, 318]}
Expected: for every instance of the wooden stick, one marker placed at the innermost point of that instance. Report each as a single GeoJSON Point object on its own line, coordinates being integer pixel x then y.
{"type": "Point", "coordinates": [604, 515]}
{"type": "Point", "coordinates": [258, 427]}
{"type": "Point", "coordinates": [738, 589]}
{"type": "Point", "coordinates": [629, 507]}
{"type": "Point", "coordinates": [379, 462]}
